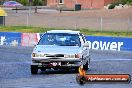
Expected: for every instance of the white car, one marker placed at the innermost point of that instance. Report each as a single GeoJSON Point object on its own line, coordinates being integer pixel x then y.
{"type": "Point", "coordinates": [60, 49]}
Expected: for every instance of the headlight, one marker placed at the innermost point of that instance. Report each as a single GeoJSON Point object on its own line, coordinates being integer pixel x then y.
{"type": "Point", "coordinates": [69, 56]}
{"type": "Point", "coordinates": [33, 55]}
{"type": "Point", "coordinates": [38, 55]}
{"type": "Point", "coordinates": [72, 56]}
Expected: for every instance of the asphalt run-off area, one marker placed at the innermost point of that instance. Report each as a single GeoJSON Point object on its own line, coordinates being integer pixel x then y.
{"type": "Point", "coordinates": [15, 70]}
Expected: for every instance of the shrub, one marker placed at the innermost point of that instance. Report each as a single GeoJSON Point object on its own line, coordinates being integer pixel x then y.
{"type": "Point", "coordinates": [129, 2]}
{"type": "Point", "coordinates": [37, 2]}
{"type": "Point", "coordinates": [112, 6]}
{"type": "Point", "coordinates": [34, 2]}
{"type": "Point", "coordinates": [24, 2]}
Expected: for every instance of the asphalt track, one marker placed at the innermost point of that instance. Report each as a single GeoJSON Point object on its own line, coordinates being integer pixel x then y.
{"type": "Point", "coordinates": [15, 70]}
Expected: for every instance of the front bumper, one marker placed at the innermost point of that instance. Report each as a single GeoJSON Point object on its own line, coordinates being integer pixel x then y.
{"type": "Point", "coordinates": [58, 67]}
{"type": "Point", "coordinates": [60, 63]}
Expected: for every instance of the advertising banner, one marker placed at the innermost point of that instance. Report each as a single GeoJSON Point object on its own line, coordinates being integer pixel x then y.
{"type": "Point", "coordinates": [95, 42]}
{"type": "Point", "coordinates": [109, 43]}
{"type": "Point", "coordinates": [10, 38]}
{"type": "Point", "coordinates": [29, 39]}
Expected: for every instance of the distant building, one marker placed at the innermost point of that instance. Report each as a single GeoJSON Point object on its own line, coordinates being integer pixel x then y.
{"type": "Point", "coordinates": [86, 4]}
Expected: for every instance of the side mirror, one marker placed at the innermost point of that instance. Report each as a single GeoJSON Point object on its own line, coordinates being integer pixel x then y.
{"type": "Point", "coordinates": [86, 45]}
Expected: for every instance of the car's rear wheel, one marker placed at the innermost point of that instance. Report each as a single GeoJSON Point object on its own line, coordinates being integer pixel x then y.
{"type": "Point", "coordinates": [34, 69]}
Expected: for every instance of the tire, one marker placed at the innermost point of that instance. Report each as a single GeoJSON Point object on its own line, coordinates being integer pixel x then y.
{"type": "Point", "coordinates": [42, 69]}
{"type": "Point", "coordinates": [55, 68]}
{"type": "Point", "coordinates": [34, 69]}
{"type": "Point", "coordinates": [77, 69]}
{"type": "Point", "coordinates": [86, 66]}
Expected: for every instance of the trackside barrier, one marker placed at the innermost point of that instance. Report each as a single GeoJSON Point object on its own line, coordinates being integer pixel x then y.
{"type": "Point", "coordinates": [109, 43]}
{"type": "Point", "coordinates": [10, 38]}
{"type": "Point", "coordinates": [95, 42]}
{"type": "Point", "coordinates": [29, 39]}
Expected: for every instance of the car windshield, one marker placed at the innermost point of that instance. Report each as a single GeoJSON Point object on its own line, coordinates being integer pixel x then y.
{"type": "Point", "coordinates": [13, 2]}
{"type": "Point", "coordinates": [60, 39]}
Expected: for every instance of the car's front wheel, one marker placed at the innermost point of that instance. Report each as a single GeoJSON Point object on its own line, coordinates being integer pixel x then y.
{"type": "Point", "coordinates": [34, 69]}
{"type": "Point", "coordinates": [43, 69]}
{"type": "Point", "coordinates": [77, 69]}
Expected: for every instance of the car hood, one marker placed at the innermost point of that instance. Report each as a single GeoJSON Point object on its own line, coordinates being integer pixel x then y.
{"type": "Point", "coordinates": [48, 49]}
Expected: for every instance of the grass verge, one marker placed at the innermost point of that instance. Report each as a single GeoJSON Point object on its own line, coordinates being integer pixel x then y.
{"type": "Point", "coordinates": [28, 29]}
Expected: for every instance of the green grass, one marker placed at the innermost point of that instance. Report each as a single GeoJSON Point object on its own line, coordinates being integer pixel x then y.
{"type": "Point", "coordinates": [28, 29]}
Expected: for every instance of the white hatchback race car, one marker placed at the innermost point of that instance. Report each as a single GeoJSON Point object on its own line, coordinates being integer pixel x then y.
{"type": "Point", "coordinates": [60, 49]}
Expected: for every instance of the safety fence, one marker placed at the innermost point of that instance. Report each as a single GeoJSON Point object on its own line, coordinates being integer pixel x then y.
{"type": "Point", "coordinates": [101, 21]}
